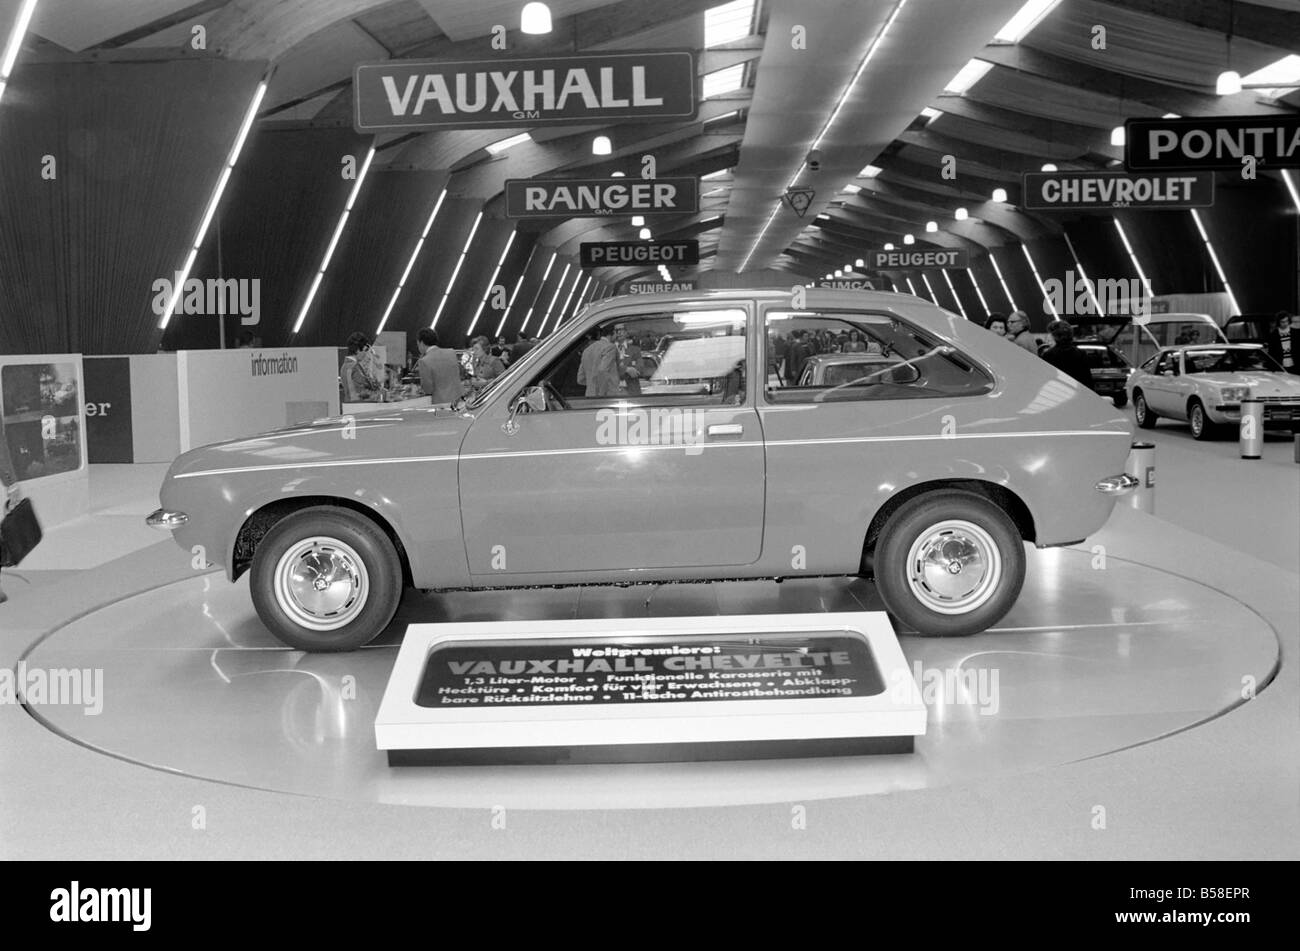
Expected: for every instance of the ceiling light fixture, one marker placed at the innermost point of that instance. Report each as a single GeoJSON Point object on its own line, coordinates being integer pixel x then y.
{"type": "Point", "coordinates": [415, 253]}
{"type": "Point", "coordinates": [967, 76]}
{"type": "Point", "coordinates": [871, 171]}
{"type": "Point", "coordinates": [644, 234]}
{"type": "Point", "coordinates": [931, 227]}
{"type": "Point", "coordinates": [1118, 136]}
{"type": "Point", "coordinates": [601, 145]}
{"type": "Point", "coordinates": [908, 239]}
{"type": "Point", "coordinates": [1000, 195]}
{"type": "Point", "coordinates": [860, 263]}
{"type": "Point", "coordinates": [455, 272]}
{"type": "Point", "coordinates": [535, 19]}
{"type": "Point", "coordinates": [1275, 80]}
{"type": "Point", "coordinates": [1025, 19]}
{"type": "Point", "coordinates": [889, 245]}
{"type": "Point", "coordinates": [961, 214]}
{"type": "Point", "coordinates": [496, 148]}
{"type": "Point", "coordinates": [1049, 167]}
{"type": "Point", "coordinates": [15, 42]}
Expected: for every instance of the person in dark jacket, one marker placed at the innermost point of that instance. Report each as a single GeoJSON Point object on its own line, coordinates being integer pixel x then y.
{"type": "Point", "coordinates": [1065, 355]}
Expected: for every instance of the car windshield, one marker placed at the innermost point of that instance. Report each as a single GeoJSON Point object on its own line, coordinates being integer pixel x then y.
{"type": "Point", "coordinates": [1179, 333]}
{"type": "Point", "coordinates": [1229, 361]}
{"type": "Point", "coordinates": [837, 373]}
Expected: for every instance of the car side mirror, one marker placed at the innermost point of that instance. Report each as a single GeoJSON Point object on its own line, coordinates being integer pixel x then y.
{"type": "Point", "coordinates": [904, 375]}
{"type": "Point", "coordinates": [531, 400]}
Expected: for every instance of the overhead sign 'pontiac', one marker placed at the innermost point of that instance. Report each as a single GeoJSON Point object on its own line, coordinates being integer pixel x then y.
{"type": "Point", "coordinates": [598, 197]}
{"type": "Point", "coordinates": [601, 87]}
{"type": "Point", "coordinates": [1051, 191]}
{"type": "Point", "coordinates": [905, 260]}
{"type": "Point", "coordinates": [1273, 141]}
{"type": "Point", "coordinates": [613, 253]}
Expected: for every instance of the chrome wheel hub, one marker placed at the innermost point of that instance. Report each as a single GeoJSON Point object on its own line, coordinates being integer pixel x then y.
{"type": "Point", "coordinates": [321, 583]}
{"type": "Point", "coordinates": [954, 567]}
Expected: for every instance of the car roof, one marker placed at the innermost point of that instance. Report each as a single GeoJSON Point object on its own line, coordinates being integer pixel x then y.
{"type": "Point", "coordinates": [1183, 348]}
{"type": "Point", "coordinates": [820, 296]}
{"type": "Point", "coordinates": [861, 356]}
{"type": "Point", "coordinates": [1163, 318]}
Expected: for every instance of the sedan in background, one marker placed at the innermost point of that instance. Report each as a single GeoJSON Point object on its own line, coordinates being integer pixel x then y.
{"type": "Point", "coordinates": [1110, 371]}
{"type": "Point", "coordinates": [1206, 384]}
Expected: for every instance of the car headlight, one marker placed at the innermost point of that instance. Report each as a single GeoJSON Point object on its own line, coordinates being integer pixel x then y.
{"type": "Point", "coordinates": [1234, 394]}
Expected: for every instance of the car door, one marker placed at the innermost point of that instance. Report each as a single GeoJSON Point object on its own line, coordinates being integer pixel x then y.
{"type": "Point", "coordinates": [1157, 387]}
{"type": "Point", "coordinates": [658, 477]}
{"type": "Point", "coordinates": [1181, 387]}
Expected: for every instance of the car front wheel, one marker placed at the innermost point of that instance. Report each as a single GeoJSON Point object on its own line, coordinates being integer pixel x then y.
{"type": "Point", "coordinates": [326, 579]}
{"type": "Point", "coordinates": [1142, 413]}
{"type": "Point", "coordinates": [949, 563]}
{"type": "Point", "coordinates": [1202, 428]}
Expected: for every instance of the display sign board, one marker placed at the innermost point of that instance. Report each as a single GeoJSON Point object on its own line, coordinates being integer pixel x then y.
{"type": "Point", "coordinates": [906, 260]}
{"type": "Point", "coordinates": [847, 284]}
{"type": "Point", "coordinates": [649, 689]}
{"type": "Point", "coordinates": [109, 437]}
{"type": "Point", "coordinates": [626, 253]}
{"type": "Point", "coordinates": [601, 197]}
{"type": "Point", "coordinates": [595, 88]}
{"type": "Point", "coordinates": [659, 287]}
{"type": "Point", "coordinates": [1059, 191]}
{"type": "Point", "coordinates": [1223, 142]}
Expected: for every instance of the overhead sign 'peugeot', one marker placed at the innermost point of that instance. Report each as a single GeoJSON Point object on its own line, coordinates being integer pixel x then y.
{"type": "Point", "coordinates": [907, 260]}
{"type": "Point", "coordinates": [598, 197]}
{"type": "Point", "coordinates": [614, 253]}
{"type": "Point", "coordinates": [1223, 142]}
{"type": "Point", "coordinates": [401, 95]}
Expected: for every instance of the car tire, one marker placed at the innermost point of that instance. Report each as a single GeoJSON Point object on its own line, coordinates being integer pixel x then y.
{"type": "Point", "coordinates": [1202, 428]}
{"type": "Point", "coordinates": [930, 598]}
{"type": "Point", "coordinates": [1120, 400]}
{"type": "Point", "coordinates": [326, 579]}
{"type": "Point", "coordinates": [1143, 414]}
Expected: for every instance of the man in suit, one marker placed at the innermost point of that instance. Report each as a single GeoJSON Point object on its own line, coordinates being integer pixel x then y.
{"type": "Point", "coordinates": [598, 371]}
{"type": "Point", "coordinates": [1018, 332]}
{"type": "Point", "coordinates": [520, 347]}
{"type": "Point", "coordinates": [1065, 355]}
{"type": "Point", "coordinates": [629, 361]}
{"type": "Point", "coordinates": [439, 369]}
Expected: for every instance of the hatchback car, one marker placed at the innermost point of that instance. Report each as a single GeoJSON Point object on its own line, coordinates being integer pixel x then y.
{"type": "Point", "coordinates": [1205, 386]}
{"type": "Point", "coordinates": [931, 479]}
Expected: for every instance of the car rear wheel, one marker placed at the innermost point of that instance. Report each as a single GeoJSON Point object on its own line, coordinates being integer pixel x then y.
{"type": "Point", "coordinates": [326, 579]}
{"type": "Point", "coordinates": [949, 563]}
{"type": "Point", "coordinates": [1202, 428]}
{"type": "Point", "coordinates": [1142, 413]}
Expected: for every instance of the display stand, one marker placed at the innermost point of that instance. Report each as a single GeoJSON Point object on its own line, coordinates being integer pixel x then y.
{"type": "Point", "coordinates": [649, 690]}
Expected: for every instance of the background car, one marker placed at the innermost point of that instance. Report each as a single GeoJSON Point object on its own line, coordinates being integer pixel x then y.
{"type": "Point", "coordinates": [1205, 386]}
{"type": "Point", "coordinates": [839, 369]}
{"type": "Point", "coordinates": [1141, 339]}
{"type": "Point", "coordinates": [1110, 371]}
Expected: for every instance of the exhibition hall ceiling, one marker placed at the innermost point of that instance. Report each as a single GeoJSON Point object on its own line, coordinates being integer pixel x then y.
{"type": "Point", "coordinates": [887, 91]}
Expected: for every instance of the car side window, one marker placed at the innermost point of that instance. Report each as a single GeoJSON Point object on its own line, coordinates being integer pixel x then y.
{"type": "Point", "coordinates": [825, 356]}
{"type": "Point", "coordinates": [664, 358]}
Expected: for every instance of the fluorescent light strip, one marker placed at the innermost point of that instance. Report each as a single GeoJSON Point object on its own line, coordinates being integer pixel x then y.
{"type": "Point", "coordinates": [1291, 187]}
{"type": "Point", "coordinates": [564, 311]}
{"type": "Point", "coordinates": [586, 289]}
{"type": "Point", "coordinates": [1006, 290]}
{"type": "Point", "coordinates": [518, 285]}
{"type": "Point", "coordinates": [16, 39]}
{"type": "Point", "coordinates": [967, 76]}
{"type": "Point", "coordinates": [1209, 246]}
{"type": "Point", "coordinates": [978, 292]}
{"type": "Point", "coordinates": [538, 295]}
{"type": "Point", "coordinates": [492, 281]}
{"type": "Point", "coordinates": [844, 95]}
{"type": "Point", "coordinates": [911, 287]}
{"type": "Point", "coordinates": [556, 296]}
{"type": "Point", "coordinates": [213, 201]}
{"type": "Point", "coordinates": [460, 261]}
{"type": "Point", "coordinates": [1083, 274]}
{"type": "Point", "coordinates": [1042, 287]}
{"type": "Point", "coordinates": [415, 253]}
{"type": "Point", "coordinates": [1025, 19]}
{"type": "Point", "coordinates": [496, 148]}
{"type": "Point", "coordinates": [953, 291]}
{"type": "Point", "coordinates": [334, 240]}
{"type": "Point", "coordinates": [1137, 265]}
{"type": "Point", "coordinates": [933, 298]}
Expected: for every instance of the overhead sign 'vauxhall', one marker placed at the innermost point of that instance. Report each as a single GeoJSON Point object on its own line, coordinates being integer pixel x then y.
{"type": "Point", "coordinates": [590, 88]}
{"type": "Point", "coordinates": [1274, 142]}
{"type": "Point", "coordinates": [614, 253]}
{"type": "Point", "coordinates": [576, 198]}
{"type": "Point", "coordinates": [1050, 191]}
{"type": "Point", "coordinates": [905, 260]}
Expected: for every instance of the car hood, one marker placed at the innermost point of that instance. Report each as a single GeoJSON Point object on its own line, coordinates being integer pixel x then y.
{"type": "Point", "coordinates": [416, 432]}
{"type": "Point", "coordinates": [1261, 384]}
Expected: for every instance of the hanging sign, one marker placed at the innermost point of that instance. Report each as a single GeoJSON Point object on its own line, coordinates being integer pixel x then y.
{"type": "Point", "coordinates": [646, 86]}
{"type": "Point", "coordinates": [578, 198]}
{"type": "Point", "coordinates": [904, 260]}
{"type": "Point", "coordinates": [1223, 142]}
{"type": "Point", "coordinates": [1057, 191]}
{"type": "Point", "coordinates": [620, 253]}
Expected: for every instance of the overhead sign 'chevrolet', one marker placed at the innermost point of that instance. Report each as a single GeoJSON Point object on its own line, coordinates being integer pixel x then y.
{"type": "Point", "coordinates": [576, 198]}
{"type": "Point", "coordinates": [1274, 142]}
{"type": "Point", "coordinates": [401, 95]}
{"type": "Point", "coordinates": [905, 260]}
{"type": "Point", "coordinates": [614, 253]}
{"type": "Point", "coordinates": [1050, 191]}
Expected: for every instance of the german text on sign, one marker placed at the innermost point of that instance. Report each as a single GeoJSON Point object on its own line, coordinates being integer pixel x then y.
{"type": "Point", "coordinates": [577, 198]}
{"type": "Point", "coordinates": [602, 87]}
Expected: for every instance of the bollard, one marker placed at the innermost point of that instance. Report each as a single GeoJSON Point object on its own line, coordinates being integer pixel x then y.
{"type": "Point", "coordinates": [1295, 437]}
{"type": "Point", "coordinates": [1142, 465]}
{"type": "Point", "coordinates": [1252, 428]}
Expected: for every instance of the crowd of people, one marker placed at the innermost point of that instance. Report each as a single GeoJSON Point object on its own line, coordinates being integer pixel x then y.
{"type": "Point", "coordinates": [1063, 353]}
{"type": "Point", "coordinates": [443, 374]}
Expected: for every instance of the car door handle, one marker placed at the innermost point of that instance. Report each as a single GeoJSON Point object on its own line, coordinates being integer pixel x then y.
{"type": "Point", "coordinates": [726, 429]}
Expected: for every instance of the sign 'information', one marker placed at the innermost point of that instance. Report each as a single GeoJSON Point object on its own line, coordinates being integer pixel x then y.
{"type": "Point", "coordinates": [600, 197]}
{"type": "Point", "coordinates": [403, 95]}
{"type": "Point", "coordinates": [1224, 143]}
